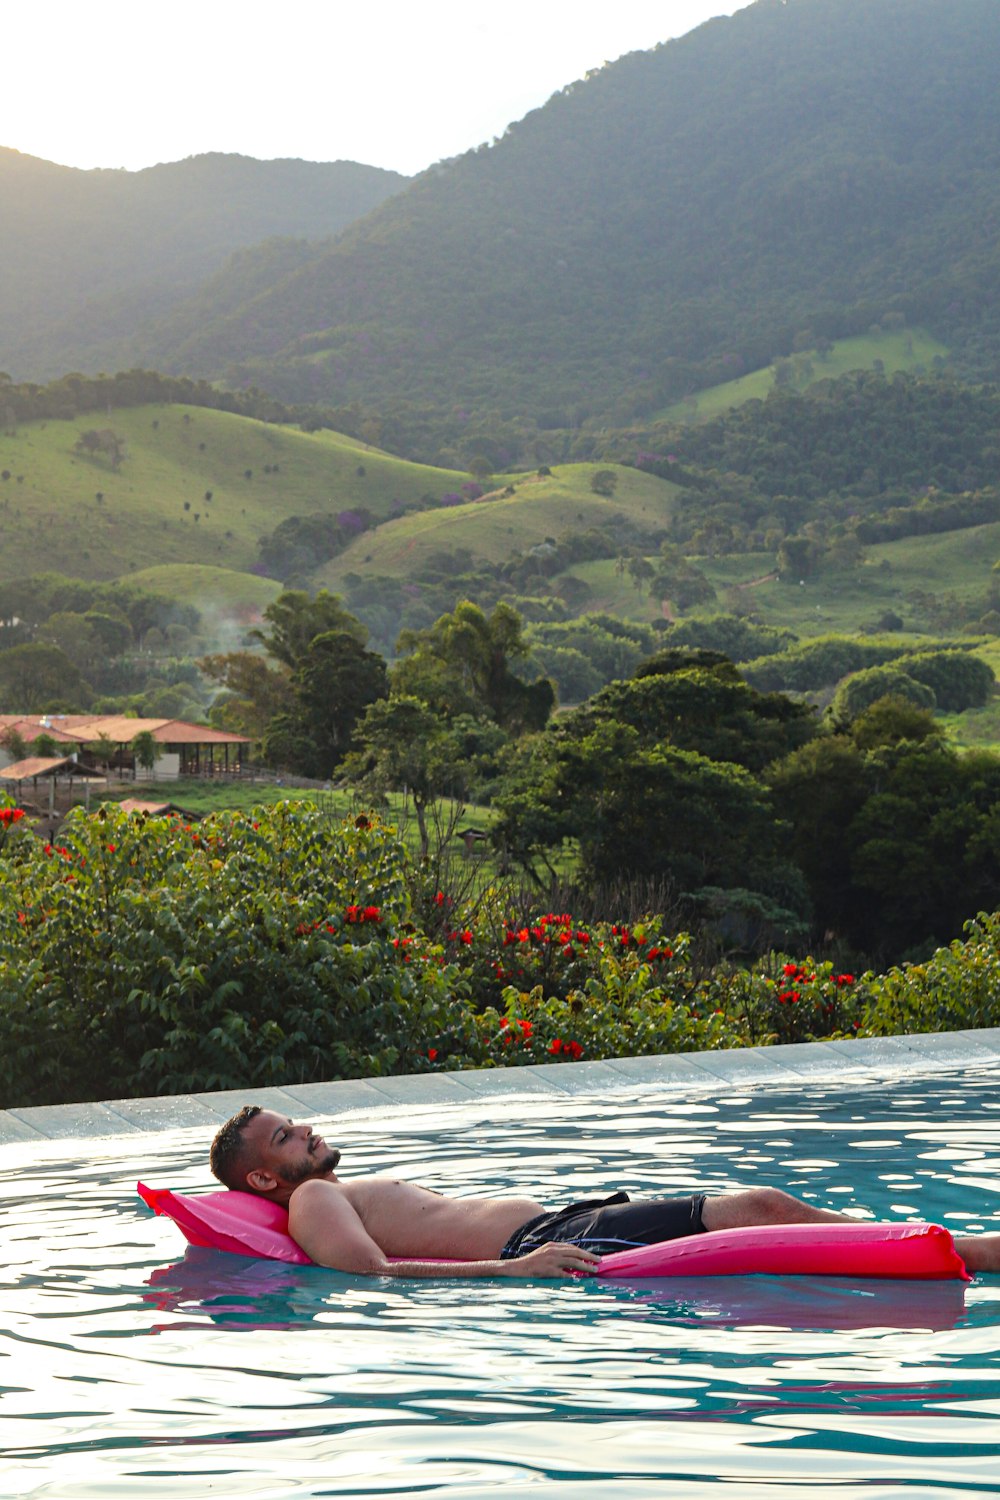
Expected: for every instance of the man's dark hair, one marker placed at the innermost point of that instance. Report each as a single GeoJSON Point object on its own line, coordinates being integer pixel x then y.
{"type": "Point", "coordinates": [228, 1157]}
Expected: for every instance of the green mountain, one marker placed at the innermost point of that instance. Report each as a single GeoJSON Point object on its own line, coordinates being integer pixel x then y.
{"type": "Point", "coordinates": [788, 175]}
{"type": "Point", "coordinates": [90, 257]}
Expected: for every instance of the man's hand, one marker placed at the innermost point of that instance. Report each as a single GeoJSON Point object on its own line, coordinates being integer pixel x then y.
{"type": "Point", "coordinates": [553, 1260]}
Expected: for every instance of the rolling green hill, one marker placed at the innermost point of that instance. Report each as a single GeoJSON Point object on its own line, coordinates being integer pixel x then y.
{"type": "Point", "coordinates": [154, 509]}
{"type": "Point", "coordinates": [679, 218]}
{"type": "Point", "coordinates": [232, 594]}
{"type": "Point", "coordinates": [492, 528]}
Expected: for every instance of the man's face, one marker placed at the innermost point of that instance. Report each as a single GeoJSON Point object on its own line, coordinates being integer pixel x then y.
{"type": "Point", "coordinates": [287, 1152]}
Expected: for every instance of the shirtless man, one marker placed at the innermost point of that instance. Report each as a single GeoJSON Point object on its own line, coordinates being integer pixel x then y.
{"type": "Point", "coordinates": [378, 1226]}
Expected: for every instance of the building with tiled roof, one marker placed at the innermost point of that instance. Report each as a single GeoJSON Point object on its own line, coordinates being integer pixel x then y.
{"type": "Point", "coordinates": [185, 749]}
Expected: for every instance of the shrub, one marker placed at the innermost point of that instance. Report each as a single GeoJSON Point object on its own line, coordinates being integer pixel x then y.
{"type": "Point", "coordinates": [150, 956]}
{"type": "Point", "coordinates": [959, 986]}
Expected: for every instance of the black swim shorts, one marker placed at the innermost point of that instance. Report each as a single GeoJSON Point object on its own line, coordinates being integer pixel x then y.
{"type": "Point", "coordinates": [604, 1225]}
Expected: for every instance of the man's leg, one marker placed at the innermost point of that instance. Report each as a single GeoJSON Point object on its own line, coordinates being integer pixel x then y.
{"type": "Point", "coordinates": [764, 1205]}
{"type": "Point", "coordinates": [981, 1252]}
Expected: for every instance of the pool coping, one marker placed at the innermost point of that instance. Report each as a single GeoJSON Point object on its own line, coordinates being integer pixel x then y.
{"type": "Point", "coordinates": [867, 1059]}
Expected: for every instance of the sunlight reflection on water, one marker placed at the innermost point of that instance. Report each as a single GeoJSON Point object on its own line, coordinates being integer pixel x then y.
{"type": "Point", "coordinates": [128, 1367]}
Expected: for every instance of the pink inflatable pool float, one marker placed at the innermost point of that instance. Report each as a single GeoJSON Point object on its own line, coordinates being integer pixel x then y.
{"type": "Point", "coordinates": [245, 1225]}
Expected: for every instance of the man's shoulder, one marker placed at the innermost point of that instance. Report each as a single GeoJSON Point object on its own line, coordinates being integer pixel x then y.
{"type": "Point", "coordinates": [316, 1188]}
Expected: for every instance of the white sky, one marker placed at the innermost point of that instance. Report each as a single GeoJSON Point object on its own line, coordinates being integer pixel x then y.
{"type": "Point", "coordinates": [127, 83]}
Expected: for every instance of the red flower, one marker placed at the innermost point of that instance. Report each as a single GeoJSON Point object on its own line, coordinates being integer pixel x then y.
{"type": "Point", "coordinates": [466, 937]}
{"type": "Point", "coordinates": [527, 1027]}
{"type": "Point", "coordinates": [111, 848]}
{"type": "Point", "coordinates": [574, 1049]}
{"type": "Point", "coordinates": [432, 1053]}
{"type": "Point", "coordinates": [845, 979]}
{"type": "Point", "coordinates": [22, 917]}
{"type": "Point", "coordinates": [791, 970]}
{"type": "Point", "coordinates": [371, 914]}
{"type": "Point", "coordinates": [509, 937]}
{"type": "Point", "coordinates": [503, 1022]}
{"type": "Point", "coordinates": [439, 899]}
{"type": "Point", "coordinates": [524, 936]}
{"type": "Point", "coordinates": [555, 1046]}
{"type": "Point", "coordinates": [352, 913]}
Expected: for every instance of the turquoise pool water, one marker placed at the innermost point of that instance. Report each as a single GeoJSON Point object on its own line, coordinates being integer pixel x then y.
{"type": "Point", "coordinates": [129, 1368]}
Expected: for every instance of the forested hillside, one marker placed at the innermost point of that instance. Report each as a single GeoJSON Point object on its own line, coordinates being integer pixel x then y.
{"type": "Point", "coordinates": [90, 257]}
{"type": "Point", "coordinates": [768, 182]}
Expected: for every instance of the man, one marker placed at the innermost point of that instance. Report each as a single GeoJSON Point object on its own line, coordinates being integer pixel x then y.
{"type": "Point", "coordinates": [378, 1226]}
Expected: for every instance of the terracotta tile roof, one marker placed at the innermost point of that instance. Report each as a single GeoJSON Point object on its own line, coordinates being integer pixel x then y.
{"type": "Point", "coordinates": [136, 805]}
{"type": "Point", "coordinates": [30, 729]}
{"type": "Point", "coordinates": [43, 765]}
{"type": "Point", "coordinates": [80, 729]}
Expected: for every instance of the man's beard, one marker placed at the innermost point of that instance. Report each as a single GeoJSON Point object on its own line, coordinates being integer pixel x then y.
{"type": "Point", "coordinates": [314, 1166]}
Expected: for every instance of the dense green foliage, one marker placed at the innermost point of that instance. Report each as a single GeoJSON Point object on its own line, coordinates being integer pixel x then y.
{"type": "Point", "coordinates": [157, 956]}
{"type": "Point", "coordinates": [148, 955]}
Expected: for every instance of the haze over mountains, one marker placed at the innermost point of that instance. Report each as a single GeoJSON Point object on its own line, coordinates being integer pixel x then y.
{"type": "Point", "coordinates": [679, 217]}
{"type": "Point", "coordinates": [89, 257]}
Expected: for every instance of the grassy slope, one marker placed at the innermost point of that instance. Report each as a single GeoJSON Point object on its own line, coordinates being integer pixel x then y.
{"type": "Point", "coordinates": [908, 349]}
{"type": "Point", "coordinates": [492, 529]}
{"type": "Point", "coordinates": [52, 520]}
{"type": "Point", "coordinates": [193, 583]}
{"type": "Point", "coordinates": [957, 562]}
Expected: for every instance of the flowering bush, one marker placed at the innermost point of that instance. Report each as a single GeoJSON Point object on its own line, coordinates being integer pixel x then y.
{"type": "Point", "coordinates": [152, 955]}
{"type": "Point", "coordinates": [799, 1002]}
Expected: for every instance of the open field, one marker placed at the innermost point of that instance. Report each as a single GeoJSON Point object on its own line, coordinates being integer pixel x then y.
{"type": "Point", "coordinates": [232, 593]}
{"type": "Point", "coordinates": [907, 349]}
{"type": "Point", "coordinates": [154, 509]}
{"type": "Point", "coordinates": [491, 529]}
{"type": "Point", "coordinates": [612, 592]}
{"type": "Point", "coordinates": [201, 796]}
{"type": "Point", "coordinates": [954, 562]}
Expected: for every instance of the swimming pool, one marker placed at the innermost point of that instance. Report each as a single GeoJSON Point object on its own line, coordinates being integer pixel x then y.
{"type": "Point", "coordinates": [128, 1368]}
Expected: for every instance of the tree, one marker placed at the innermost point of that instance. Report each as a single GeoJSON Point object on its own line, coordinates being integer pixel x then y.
{"type": "Point", "coordinates": [37, 676]}
{"type": "Point", "coordinates": [145, 749]}
{"type": "Point", "coordinates": [704, 708]}
{"type": "Point", "coordinates": [296, 619]}
{"type": "Point", "coordinates": [14, 743]}
{"type": "Point", "coordinates": [335, 681]}
{"type": "Point", "coordinates": [862, 689]}
{"type": "Point", "coordinates": [604, 482]}
{"type": "Point", "coordinates": [653, 812]}
{"type": "Point", "coordinates": [462, 664]}
{"type": "Point", "coordinates": [253, 691]}
{"type": "Point", "coordinates": [641, 571]}
{"type": "Point", "coordinates": [402, 747]}
{"type": "Point", "coordinates": [103, 749]}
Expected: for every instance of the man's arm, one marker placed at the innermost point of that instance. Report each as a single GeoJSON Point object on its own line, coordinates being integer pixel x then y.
{"type": "Point", "coordinates": [328, 1229]}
